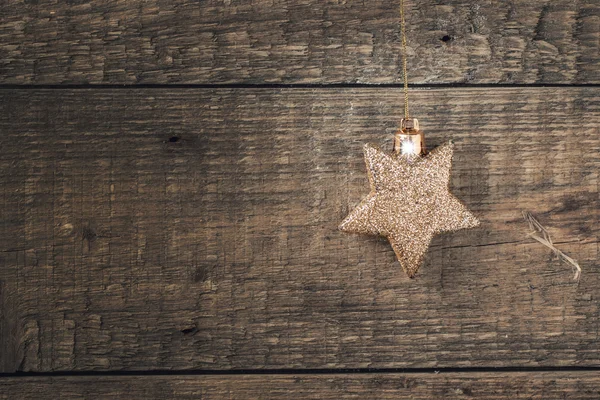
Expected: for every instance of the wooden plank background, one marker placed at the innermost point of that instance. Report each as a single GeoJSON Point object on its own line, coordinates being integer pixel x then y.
{"type": "Point", "coordinates": [298, 41]}
{"type": "Point", "coordinates": [221, 250]}
{"type": "Point", "coordinates": [192, 228]}
{"type": "Point", "coordinates": [418, 386]}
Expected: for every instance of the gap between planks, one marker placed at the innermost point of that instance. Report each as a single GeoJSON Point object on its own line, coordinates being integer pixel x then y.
{"type": "Point", "coordinates": [295, 86]}
{"type": "Point", "coordinates": [300, 371]}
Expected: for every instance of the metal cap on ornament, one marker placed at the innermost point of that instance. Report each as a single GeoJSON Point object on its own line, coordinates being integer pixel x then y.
{"type": "Point", "coordinates": [409, 140]}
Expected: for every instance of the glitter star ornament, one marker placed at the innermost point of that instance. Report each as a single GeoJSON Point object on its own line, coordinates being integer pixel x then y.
{"type": "Point", "coordinates": [410, 200]}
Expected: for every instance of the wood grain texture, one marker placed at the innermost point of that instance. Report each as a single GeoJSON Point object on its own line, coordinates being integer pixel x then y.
{"type": "Point", "coordinates": [179, 229]}
{"type": "Point", "coordinates": [449, 386]}
{"type": "Point", "coordinates": [298, 41]}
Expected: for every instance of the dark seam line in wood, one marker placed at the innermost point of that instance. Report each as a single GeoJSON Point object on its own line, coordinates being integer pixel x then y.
{"type": "Point", "coordinates": [478, 245]}
{"type": "Point", "coordinates": [294, 86]}
{"type": "Point", "coordinates": [302, 371]}
{"type": "Point", "coordinates": [524, 241]}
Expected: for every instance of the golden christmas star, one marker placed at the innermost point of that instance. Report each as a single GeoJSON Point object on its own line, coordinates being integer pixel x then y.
{"type": "Point", "coordinates": [409, 203]}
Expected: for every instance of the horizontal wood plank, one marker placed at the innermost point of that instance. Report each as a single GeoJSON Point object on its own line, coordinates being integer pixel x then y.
{"type": "Point", "coordinates": [176, 229]}
{"type": "Point", "coordinates": [475, 385]}
{"type": "Point", "coordinates": [298, 41]}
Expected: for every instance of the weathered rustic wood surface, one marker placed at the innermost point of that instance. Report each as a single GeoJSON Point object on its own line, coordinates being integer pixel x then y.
{"type": "Point", "coordinates": [183, 228]}
{"type": "Point", "coordinates": [489, 386]}
{"type": "Point", "coordinates": [298, 41]}
{"type": "Point", "coordinates": [196, 229]}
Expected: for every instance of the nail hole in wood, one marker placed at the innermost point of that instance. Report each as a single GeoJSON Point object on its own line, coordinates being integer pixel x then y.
{"type": "Point", "coordinates": [88, 234]}
{"type": "Point", "coordinates": [190, 331]}
{"type": "Point", "coordinates": [446, 38]}
{"type": "Point", "coordinates": [174, 139]}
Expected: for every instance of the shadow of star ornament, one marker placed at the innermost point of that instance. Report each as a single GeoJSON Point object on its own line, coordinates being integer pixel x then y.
{"type": "Point", "coordinates": [409, 202]}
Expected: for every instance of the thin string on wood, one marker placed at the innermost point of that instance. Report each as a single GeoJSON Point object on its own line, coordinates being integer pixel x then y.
{"type": "Point", "coordinates": [539, 233]}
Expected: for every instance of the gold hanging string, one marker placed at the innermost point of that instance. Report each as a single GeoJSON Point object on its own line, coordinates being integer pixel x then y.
{"type": "Point", "coordinates": [408, 140]}
{"type": "Point", "coordinates": [404, 56]}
